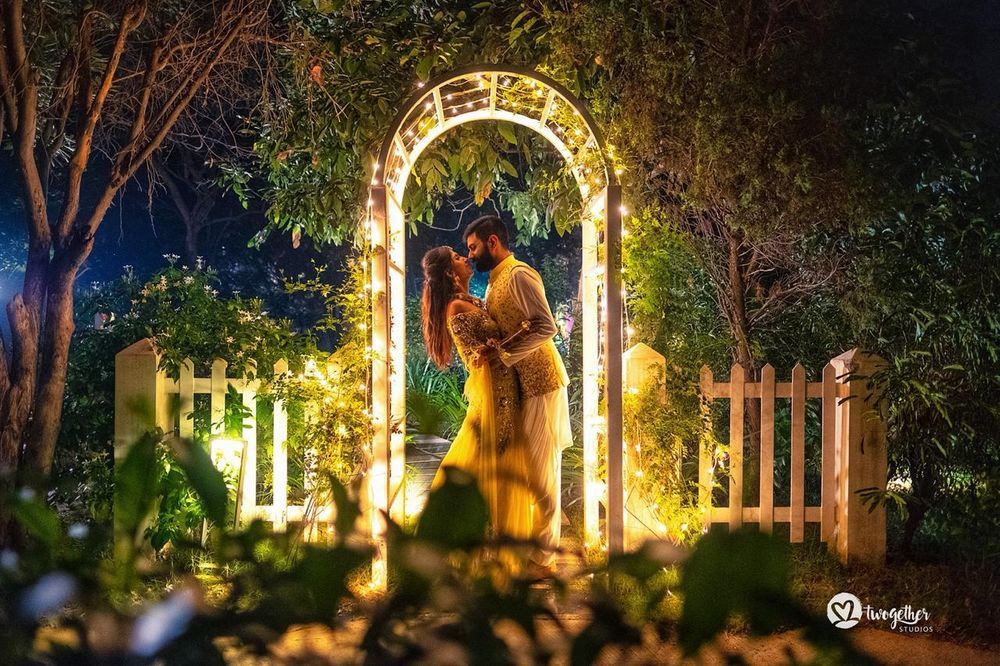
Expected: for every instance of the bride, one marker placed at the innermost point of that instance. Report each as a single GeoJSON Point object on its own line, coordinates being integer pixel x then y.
{"type": "Point", "coordinates": [490, 444]}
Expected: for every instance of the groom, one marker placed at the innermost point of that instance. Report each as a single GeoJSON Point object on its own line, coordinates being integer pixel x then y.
{"type": "Point", "coordinates": [515, 294]}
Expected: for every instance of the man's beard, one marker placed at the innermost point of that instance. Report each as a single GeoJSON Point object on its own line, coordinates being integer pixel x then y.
{"type": "Point", "coordinates": [485, 263]}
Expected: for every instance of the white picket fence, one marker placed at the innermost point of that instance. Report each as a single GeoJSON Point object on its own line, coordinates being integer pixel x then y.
{"type": "Point", "coordinates": [853, 454]}
{"type": "Point", "coordinates": [137, 375]}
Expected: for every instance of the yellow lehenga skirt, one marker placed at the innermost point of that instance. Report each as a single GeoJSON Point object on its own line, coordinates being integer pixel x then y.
{"type": "Point", "coordinates": [502, 476]}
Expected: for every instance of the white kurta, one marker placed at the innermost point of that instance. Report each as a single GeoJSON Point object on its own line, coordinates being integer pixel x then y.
{"type": "Point", "coordinates": [546, 416]}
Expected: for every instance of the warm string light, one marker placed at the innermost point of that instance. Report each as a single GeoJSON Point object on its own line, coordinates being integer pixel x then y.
{"type": "Point", "coordinates": [559, 121]}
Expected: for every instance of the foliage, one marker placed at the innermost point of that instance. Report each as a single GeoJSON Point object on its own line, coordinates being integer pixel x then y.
{"type": "Point", "coordinates": [927, 277]}
{"type": "Point", "coordinates": [65, 601]}
{"type": "Point", "coordinates": [182, 312]}
{"type": "Point", "coordinates": [353, 65]}
{"type": "Point", "coordinates": [670, 298]}
{"type": "Point", "coordinates": [435, 403]}
{"type": "Point", "coordinates": [332, 392]}
{"type": "Point", "coordinates": [664, 430]}
{"type": "Point", "coordinates": [505, 161]}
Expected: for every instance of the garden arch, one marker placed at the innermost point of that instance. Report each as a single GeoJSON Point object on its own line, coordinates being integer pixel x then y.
{"type": "Point", "coordinates": [535, 101]}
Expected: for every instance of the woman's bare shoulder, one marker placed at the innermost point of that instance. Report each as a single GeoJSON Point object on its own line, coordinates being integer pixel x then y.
{"type": "Point", "coordinates": [459, 305]}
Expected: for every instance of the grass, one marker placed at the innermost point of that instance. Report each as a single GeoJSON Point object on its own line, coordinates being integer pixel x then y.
{"type": "Point", "coordinates": [958, 589]}
{"type": "Point", "coordinates": [960, 596]}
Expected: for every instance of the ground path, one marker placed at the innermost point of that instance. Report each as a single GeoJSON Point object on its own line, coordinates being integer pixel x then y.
{"type": "Point", "coordinates": [315, 644]}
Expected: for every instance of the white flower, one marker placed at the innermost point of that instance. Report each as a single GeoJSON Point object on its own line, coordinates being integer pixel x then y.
{"type": "Point", "coordinates": [9, 560]}
{"type": "Point", "coordinates": [162, 623]}
{"type": "Point", "coordinates": [78, 531]}
{"type": "Point", "coordinates": [48, 595]}
{"type": "Point", "coordinates": [229, 339]}
{"type": "Point", "coordinates": [188, 279]}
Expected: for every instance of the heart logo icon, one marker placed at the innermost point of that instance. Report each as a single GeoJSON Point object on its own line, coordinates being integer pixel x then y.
{"type": "Point", "coordinates": [844, 610]}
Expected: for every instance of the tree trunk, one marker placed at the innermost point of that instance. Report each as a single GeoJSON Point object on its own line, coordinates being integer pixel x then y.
{"type": "Point", "coordinates": [205, 194]}
{"type": "Point", "coordinates": [915, 512]}
{"type": "Point", "coordinates": [18, 384]}
{"type": "Point", "coordinates": [743, 355]}
{"type": "Point", "coordinates": [54, 361]}
{"type": "Point", "coordinates": [924, 491]}
{"type": "Point", "coordinates": [191, 253]}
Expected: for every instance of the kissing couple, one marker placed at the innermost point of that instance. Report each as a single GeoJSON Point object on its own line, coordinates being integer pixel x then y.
{"type": "Point", "coordinates": [517, 423]}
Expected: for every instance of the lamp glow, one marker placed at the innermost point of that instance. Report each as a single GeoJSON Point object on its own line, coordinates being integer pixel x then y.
{"type": "Point", "coordinates": [227, 454]}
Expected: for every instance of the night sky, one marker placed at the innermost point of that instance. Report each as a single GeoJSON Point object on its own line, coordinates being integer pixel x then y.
{"type": "Point", "coordinates": [138, 232]}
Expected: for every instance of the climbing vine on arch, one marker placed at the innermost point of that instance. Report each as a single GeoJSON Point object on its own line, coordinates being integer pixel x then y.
{"type": "Point", "coordinates": [352, 65]}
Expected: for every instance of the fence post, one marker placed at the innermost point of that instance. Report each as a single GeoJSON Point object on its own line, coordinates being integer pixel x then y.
{"type": "Point", "coordinates": [248, 504]}
{"type": "Point", "coordinates": [185, 387]}
{"type": "Point", "coordinates": [766, 448]}
{"type": "Point", "coordinates": [737, 385]}
{"type": "Point", "coordinates": [140, 395]}
{"type": "Point", "coordinates": [219, 386]}
{"type": "Point", "coordinates": [861, 461]}
{"type": "Point", "coordinates": [641, 364]}
{"type": "Point", "coordinates": [706, 458]}
{"type": "Point", "coordinates": [279, 458]}
{"type": "Point", "coordinates": [796, 504]}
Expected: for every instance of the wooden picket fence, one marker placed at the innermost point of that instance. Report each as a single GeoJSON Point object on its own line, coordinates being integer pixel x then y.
{"type": "Point", "coordinates": [852, 454]}
{"type": "Point", "coordinates": [137, 375]}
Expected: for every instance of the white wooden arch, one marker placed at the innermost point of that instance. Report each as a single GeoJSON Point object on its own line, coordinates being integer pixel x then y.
{"type": "Point", "coordinates": [532, 100]}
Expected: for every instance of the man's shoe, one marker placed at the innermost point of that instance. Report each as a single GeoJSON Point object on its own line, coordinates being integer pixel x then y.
{"type": "Point", "coordinates": [539, 571]}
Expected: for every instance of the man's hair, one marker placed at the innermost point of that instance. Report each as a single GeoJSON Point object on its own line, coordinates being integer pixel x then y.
{"type": "Point", "coordinates": [486, 226]}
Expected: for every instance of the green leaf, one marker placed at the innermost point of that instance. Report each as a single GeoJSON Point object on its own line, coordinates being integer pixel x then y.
{"type": "Point", "coordinates": [456, 515]}
{"type": "Point", "coordinates": [508, 168]}
{"type": "Point", "coordinates": [424, 66]}
{"type": "Point", "coordinates": [205, 478]}
{"type": "Point", "coordinates": [520, 17]}
{"type": "Point", "coordinates": [507, 132]}
{"type": "Point", "coordinates": [644, 563]}
{"type": "Point", "coordinates": [347, 510]}
{"type": "Point", "coordinates": [136, 486]}
{"type": "Point", "coordinates": [743, 572]}
{"type": "Point", "coordinates": [41, 521]}
{"type": "Point", "coordinates": [322, 576]}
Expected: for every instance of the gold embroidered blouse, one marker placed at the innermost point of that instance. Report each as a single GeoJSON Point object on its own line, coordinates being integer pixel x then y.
{"type": "Point", "coordinates": [470, 332]}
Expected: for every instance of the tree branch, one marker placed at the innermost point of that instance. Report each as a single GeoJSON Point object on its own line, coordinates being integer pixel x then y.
{"type": "Point", "coordinates": [123, 171]}
{"type": "Point", "coordinates": [131, 18]}
{"type": "Point", "coordinates": [6, 83]}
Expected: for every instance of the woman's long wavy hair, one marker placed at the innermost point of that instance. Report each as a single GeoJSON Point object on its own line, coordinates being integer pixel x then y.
{"type": "Point", "coordinates": [439, 290]}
